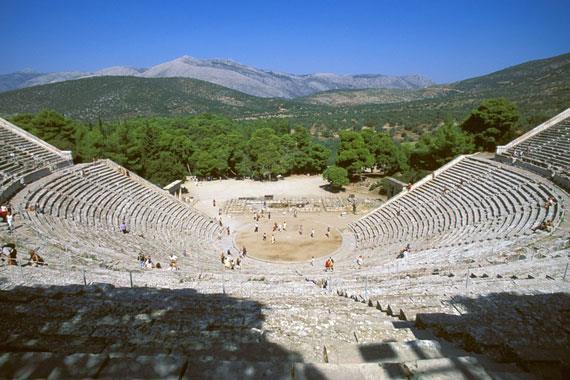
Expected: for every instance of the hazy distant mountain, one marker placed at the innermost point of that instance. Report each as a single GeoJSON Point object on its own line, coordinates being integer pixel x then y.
{"type": "Point", "coordinates": [16, 80]}
{"type": "Point", "coordinates": [119, 71]}
{"type": "Point", "coordinates": [123, 97]}
{"type": "Point", "coordinates": [23, 79]}
{"type": "Point", "coordinates": [539, 88]}
{"type": "Point", "coordinates": [227, 73]}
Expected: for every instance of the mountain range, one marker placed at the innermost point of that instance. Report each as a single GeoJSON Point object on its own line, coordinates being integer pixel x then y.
{"type": "Point", "coordinates": [540, 89]}
{"type": "Point", "coordinates": [230, 74]}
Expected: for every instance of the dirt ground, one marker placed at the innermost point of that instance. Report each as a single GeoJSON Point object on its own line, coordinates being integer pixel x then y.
{"type": "Point", "coordinates": [289, 245]}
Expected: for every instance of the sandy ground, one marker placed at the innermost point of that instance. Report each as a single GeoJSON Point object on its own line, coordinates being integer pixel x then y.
{"type": "Point", "coordinates": [289, 245]}
{"type": "Point", "coordinates": [205, 192]}
{"type": "Point", "coordinates": [222, 190]}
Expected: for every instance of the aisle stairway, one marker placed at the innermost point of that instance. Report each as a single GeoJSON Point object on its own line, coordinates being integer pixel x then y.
{"type": "Point", "coordinates": [98, 330]}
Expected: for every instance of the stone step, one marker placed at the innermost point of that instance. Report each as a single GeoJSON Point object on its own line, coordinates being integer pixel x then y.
{"type": "Point", "coordinates": [56, 366]}
{"type": "Point", "coordinates": [464, 367]}
{"type": "Point", "coordinates": [45, 365]}
{"type": "Point", "coordinates": [391, 352]}
{"type": "Point", "coordinates": [368, 371]}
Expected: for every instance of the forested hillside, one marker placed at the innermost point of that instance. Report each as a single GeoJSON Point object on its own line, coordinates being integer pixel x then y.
{"type": "Point", "coordinates": [540, 89]}
{"type": "Point", "coordinates": [116, 98]}
{"type": "Point", "coordinates": [165, 149]}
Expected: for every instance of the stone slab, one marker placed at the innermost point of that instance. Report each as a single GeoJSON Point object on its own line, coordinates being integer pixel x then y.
{"type": "Point", "coordinates": [33, 365]}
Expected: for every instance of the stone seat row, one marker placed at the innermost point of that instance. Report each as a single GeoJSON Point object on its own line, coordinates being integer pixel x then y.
{"type": "Point", "coordinates": [119, 251]}
{"type": "Point", "coordinates": [98, 195]}
{"type": "Point", "coordinates": [83, 207]}
{"type": "Point", "coordinates": [475, 199]}
{"type": "Point", "coordinates": [548, 148]}
{"type": "Point", "coordinates": [22, 157]}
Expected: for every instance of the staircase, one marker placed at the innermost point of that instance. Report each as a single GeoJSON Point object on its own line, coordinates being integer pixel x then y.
{"type": "Point", "coordinates": [100, 331]}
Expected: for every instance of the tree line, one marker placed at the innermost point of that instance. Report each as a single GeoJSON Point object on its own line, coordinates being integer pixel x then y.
{"type": "Point", "coordinates": [493, 123]}
{"type": "Point", "coordinates": [165, 149]}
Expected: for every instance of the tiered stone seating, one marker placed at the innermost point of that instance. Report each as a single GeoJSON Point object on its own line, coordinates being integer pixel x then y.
{"type": "Point", "coordinates": [466, 227]}
{"type": "Point", "coordinates": [100, 331]}
{"type": "Point", "coordinates": [544, 150]}
{"type": "Point", "coordinates": [487, 301]}
{"type": "Point", "coordinates": [24, 158]}
{"type": "Point", "coordinates": [83, 207]}
{"type": "Point", "coordinates": [549, 149]}
{"type": "Point", "coordinates": [474, 200]}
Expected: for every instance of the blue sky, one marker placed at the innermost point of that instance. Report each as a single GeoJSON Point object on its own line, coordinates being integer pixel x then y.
{"type": "Point", "coordinates": [444, 40]}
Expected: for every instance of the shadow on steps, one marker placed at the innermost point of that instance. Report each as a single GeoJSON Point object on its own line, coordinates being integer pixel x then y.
{"type": "Point", "coordinates": [530, 330]}
{"type": "Point", "coordinates": [102, 331]}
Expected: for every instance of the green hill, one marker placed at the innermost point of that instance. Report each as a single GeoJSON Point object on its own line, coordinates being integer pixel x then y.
{"type": "Point", "coordinates": [539, 88]}
{"type": "Point", "coordinates": [373, 96]}
{"type": "Point", "coordinates": [112, 98]}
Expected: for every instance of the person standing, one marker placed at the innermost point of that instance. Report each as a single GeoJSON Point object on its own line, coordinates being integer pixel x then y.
{"type": "Point", "coordinates": [10, 221]}
{"type": "Point", "coordinates": [173, 262]}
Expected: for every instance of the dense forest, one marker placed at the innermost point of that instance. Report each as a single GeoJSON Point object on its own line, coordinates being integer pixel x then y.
{"type": "Point", "coordinates": [163, 149]}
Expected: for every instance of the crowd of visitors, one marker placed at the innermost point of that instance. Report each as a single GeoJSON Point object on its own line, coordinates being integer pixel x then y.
{"type": "Point", "coordinates": [231, 262]}
{"type": "Point", "coordinates": [145, 262]}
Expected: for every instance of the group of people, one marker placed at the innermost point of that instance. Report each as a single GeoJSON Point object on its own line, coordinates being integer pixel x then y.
{"type": "Point", "coordinates": [229, 262]}
{"type": "Point", "coordinates": [9, 253]}
{"type": "Point", "coordinates": [545, 225]}
{"type": "Point", "coordinates": [276, 227]}
{"type": "Point", "coordinates": [145, 261]}
{"type": "Point", "coordinates": [283, 227]}
{"type": "Point", "coordinates": [549, 203]}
